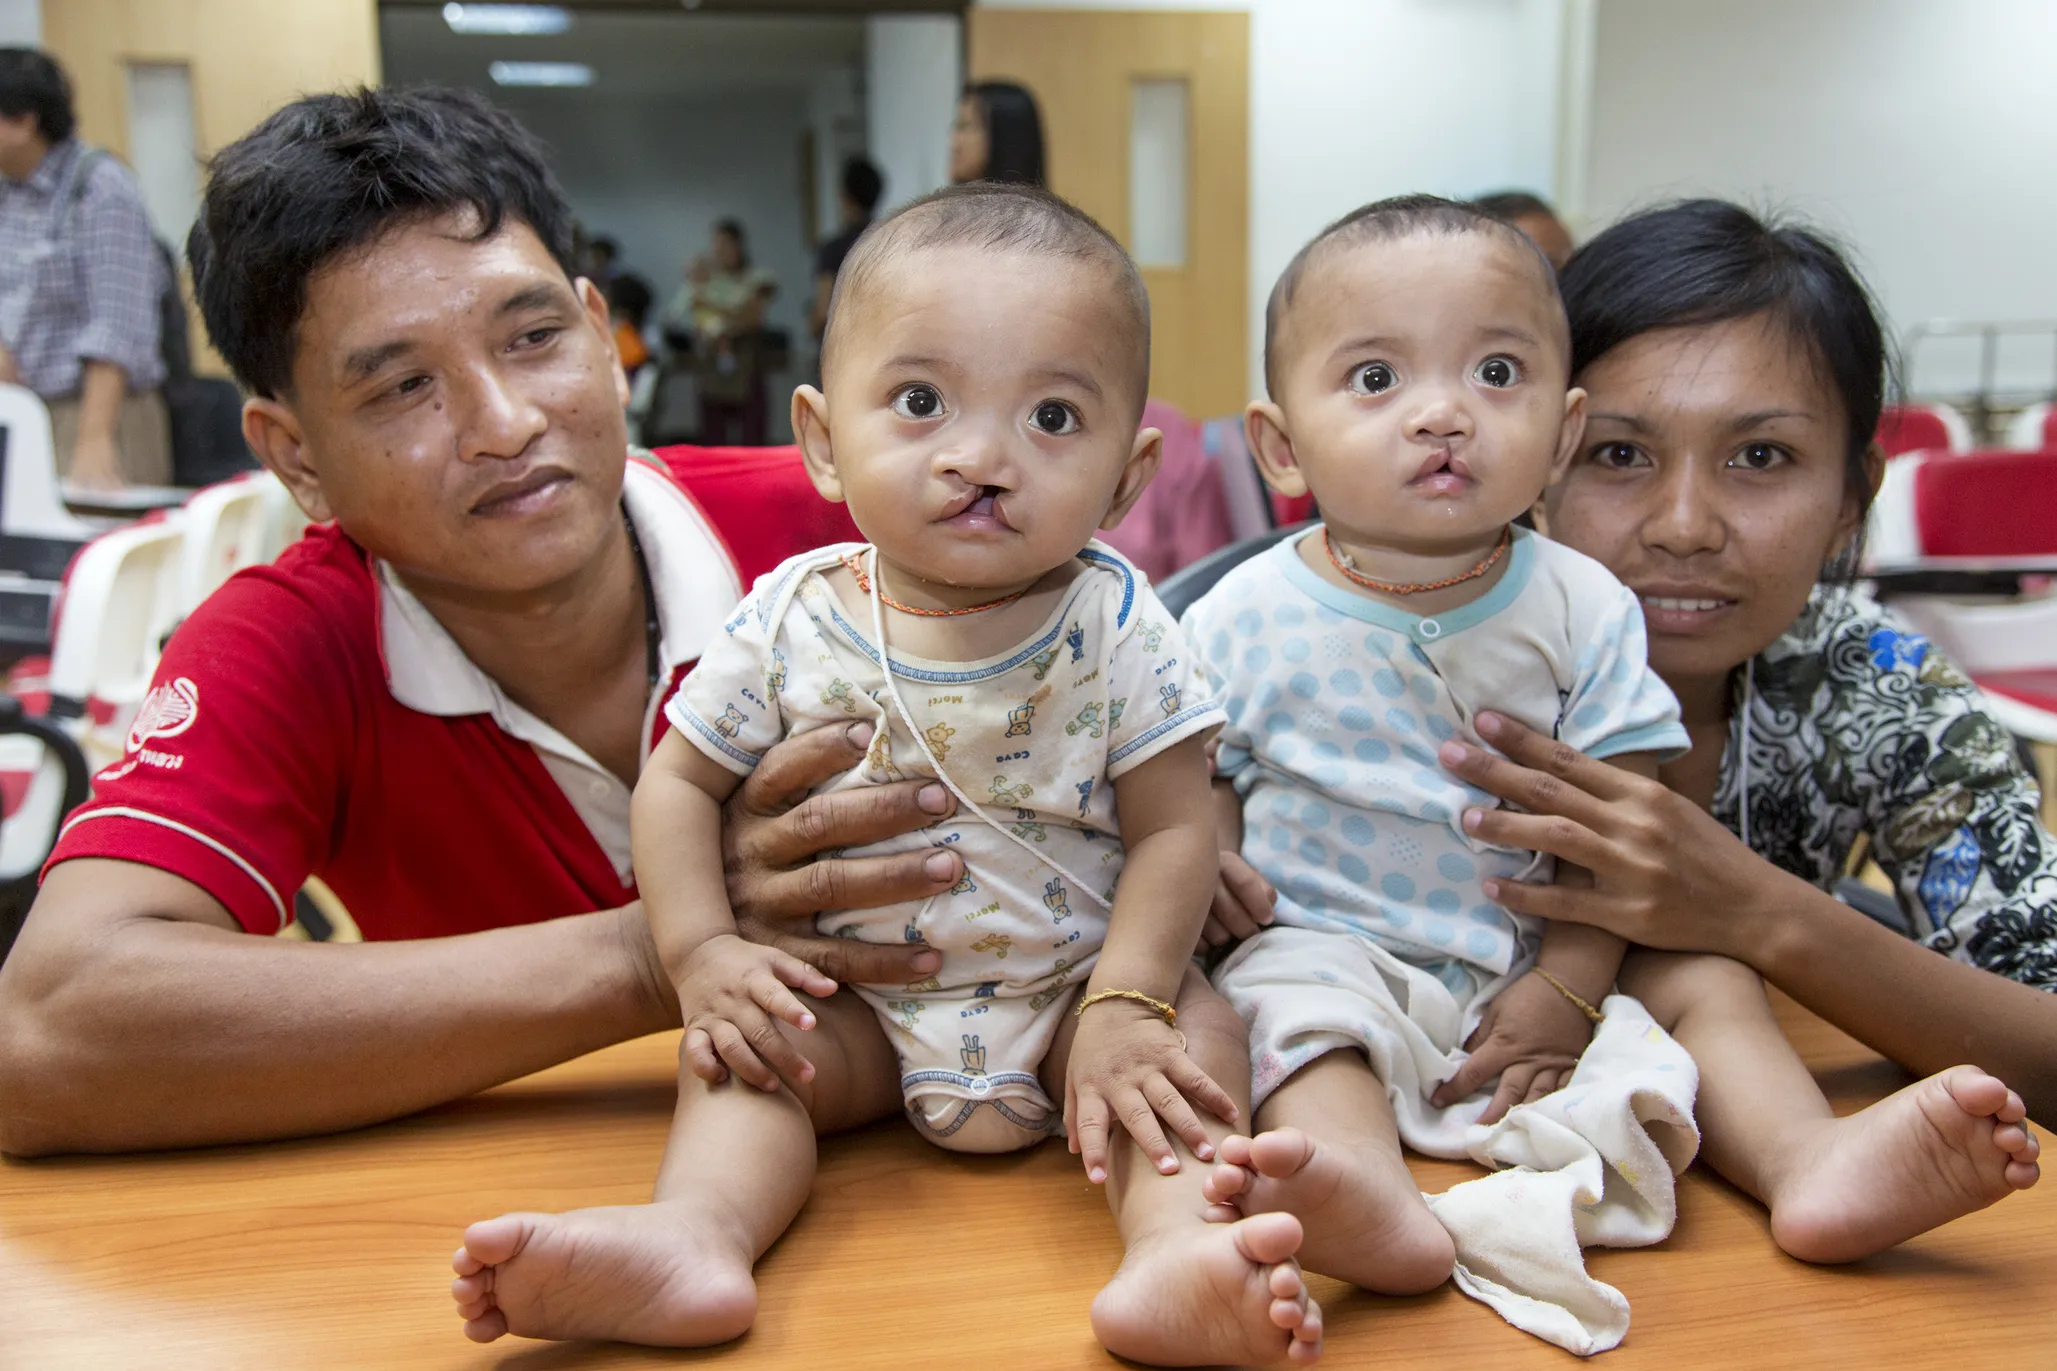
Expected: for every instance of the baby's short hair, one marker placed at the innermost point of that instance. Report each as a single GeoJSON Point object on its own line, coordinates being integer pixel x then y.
{"type": "Point", "coordinates": [1385, 221]}
{"type": "Point", "coordinates": [1001, 218]}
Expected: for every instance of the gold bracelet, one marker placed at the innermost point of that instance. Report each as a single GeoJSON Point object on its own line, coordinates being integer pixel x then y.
{"type": "Point", "coordinates": [1150, 1002]}
{"type": "Point", "coordinates": [1568, 993]}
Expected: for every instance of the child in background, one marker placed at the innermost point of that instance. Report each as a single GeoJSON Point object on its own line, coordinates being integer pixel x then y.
{"type": "Point", "coordinates": [1418, 360]}
{"type": "Point", "coordinates": [985, 368]}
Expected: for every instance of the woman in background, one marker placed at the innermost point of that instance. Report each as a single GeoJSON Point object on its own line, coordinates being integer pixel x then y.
{"type": "Point", "coordinates": [723, 302]}
{"type": "Point", "coordinates": [998, 135]}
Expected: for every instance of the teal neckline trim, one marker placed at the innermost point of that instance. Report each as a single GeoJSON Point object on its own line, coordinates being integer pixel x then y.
{"type": "Point", "coordinates": [1521, 561]}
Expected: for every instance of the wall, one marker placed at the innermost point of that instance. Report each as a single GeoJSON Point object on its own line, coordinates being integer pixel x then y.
{"type": "Point", "coordinates": [1352, 100]}
{"type": "Point", "coordinates": [914, 72]}
{"type": "Point", "coordinates": [21, 23]}
{"type": "Point", "coordinates": [1924, 134]}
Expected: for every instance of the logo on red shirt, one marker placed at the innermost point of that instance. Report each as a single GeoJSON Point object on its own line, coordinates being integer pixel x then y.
{"type": "Point", "coordinates": [167, 711]}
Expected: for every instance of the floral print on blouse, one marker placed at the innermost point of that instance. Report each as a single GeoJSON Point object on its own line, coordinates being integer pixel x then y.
{"type": "Point", "coordinates": [1857, 725]}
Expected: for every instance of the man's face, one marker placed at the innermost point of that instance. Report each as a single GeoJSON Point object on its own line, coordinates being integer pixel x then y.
{"type": "Point", "coordinates": [456, 407]}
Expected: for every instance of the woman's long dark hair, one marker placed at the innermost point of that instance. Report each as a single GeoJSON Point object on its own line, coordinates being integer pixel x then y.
{"type": "Point", "coordinates": [1701, 262]}
{"type": "Point", "coordinates": [1014, 132]}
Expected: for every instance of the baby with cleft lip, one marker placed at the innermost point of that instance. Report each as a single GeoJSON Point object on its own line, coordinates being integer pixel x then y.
{"type": "Point", "coordinates": [1418, 361]}
{"type": "Point", "coordinates": [985, 370]}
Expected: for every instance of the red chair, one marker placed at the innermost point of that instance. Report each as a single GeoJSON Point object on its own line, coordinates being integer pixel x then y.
{"type": "Point", "coordinates": [1989, 504]}
{"type": "Point", "coordinates": [1922, 428]}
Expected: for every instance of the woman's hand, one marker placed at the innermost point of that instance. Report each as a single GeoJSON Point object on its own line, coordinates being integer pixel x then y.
{"type": "Point", "coordinates": [773, 835]}
{"type": "Point", "coordinates": [1666, 874]}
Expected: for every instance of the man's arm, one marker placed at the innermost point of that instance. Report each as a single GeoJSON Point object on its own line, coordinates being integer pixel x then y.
{"type": "Point", "coordinates": [135, 1014]}
{"type": "Point", "coordinates": [95, 457]}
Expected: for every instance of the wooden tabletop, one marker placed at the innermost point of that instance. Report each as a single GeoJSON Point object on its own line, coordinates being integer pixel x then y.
{"type": "Point", "coordinates": [335, 1252]}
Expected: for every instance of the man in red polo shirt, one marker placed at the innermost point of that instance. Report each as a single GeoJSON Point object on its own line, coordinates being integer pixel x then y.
{"type": "Point", "coordinates": [438, 704]}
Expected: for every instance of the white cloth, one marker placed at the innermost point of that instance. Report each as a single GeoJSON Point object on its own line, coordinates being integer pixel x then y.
{"type": "Point", "coordinates": [1033, 736]}
{"type": "Point", "coordinates": [1336, 704]}
{"type": "Point", "coordinates": [1592, 1163]}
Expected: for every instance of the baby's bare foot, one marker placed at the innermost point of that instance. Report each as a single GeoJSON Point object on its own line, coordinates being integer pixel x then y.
{"type": "Point", "coordinates": [1366, 1223]}
{"type": "Point", "coordinates": [648, 1274]}
{"type": "Point", "coordinates": [1933, 1152]}
{"type": "Point", "coordinates": [1228, 1294]}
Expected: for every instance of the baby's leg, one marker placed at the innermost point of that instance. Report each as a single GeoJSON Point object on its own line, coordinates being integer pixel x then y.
{"type": "Point", "coordinates": [676, 1272]}
{"type": "Point", "coordinates": [1190, 1292]}
{"type": "Point", "coordinates": [1330, 1153]}
{"type": "Point", "coordinates": [1838, 1189]}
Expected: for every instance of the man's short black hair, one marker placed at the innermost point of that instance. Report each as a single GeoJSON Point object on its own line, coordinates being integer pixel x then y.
{"type": "Point", "coordinates": [1000, 217]}
{"type": "Point", "coordinates": [31, 83]}
{"type": "Point", "coordinates": [863, 183]}
{"type": "Point", "coordinates": [1401, 216]}
{"type": "Point", "coordinates": [328, 174]}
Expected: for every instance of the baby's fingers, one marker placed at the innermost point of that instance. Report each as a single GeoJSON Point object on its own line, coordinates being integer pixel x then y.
{"type": "Point", "coordinates": [1090, 1136]}
{"type": "Point", "coordinates": [1480, 1067]}
{"type": "Point", "coordinates": [701, 1058]}
{"type": "Point", "coordinates": [768, 991]}
{"type": "Point", "coordinates": [801, 976]}
{"type": "Point", "coordinates": [1202, 1089]}
{"type": "Point", "coordinates": [735, 1048]}
{"type": "Point", "coordinates": [1513, 1088]}
{"type": "Point", "coordinates": [1140, 1119]}
{"type": "Point", "coordinates": [1171, 1107]}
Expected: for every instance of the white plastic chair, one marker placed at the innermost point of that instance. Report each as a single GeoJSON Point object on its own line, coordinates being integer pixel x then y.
{"type": "Point", "coordinates": [119, 603]}
{"type": "Point", "coordinates": [30, 505]}
{"type": "Point", "coordinates": [2031, 431]}
{"type": "Point", "coordinates": [228, 526]}
{"type": "Point", "coordinates": [286, 520]}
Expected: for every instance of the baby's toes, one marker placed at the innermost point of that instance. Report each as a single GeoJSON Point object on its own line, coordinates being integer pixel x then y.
{"type": "Point", "coordinates": [1225, 1183]}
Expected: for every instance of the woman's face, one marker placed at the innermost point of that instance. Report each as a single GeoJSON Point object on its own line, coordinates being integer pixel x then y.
{"type": "Point", "coordinates": [728, 253]}
{"type": "Point", "coordinates": [1711, 481]}
{"type": "Point", "coordinates": [970, 144]}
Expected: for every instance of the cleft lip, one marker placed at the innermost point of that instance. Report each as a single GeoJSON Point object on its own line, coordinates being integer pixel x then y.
{"type": "Point", "coordinates": [1441, 462]}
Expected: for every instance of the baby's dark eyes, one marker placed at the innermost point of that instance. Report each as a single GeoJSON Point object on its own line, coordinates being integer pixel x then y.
{"type": "Point", "coordinates": [1055, 418]}
{"type": "Point", "coordinates": [1373, 378]}
{"type": "Point", "coordinates": [1498, 372]}
{"type": "Point", "coordinates": [917, 402]}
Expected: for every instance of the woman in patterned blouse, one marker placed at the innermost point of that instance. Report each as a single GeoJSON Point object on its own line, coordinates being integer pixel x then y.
{"type": "Point", "coordinates": [1734, 373]}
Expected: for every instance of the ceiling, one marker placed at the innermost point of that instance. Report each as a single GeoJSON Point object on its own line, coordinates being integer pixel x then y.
{"type": "Point", "coordinates": [643, 52]}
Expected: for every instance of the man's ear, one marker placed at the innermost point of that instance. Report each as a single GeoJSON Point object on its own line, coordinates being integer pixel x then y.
{"type": "Point", "coordinates": [1264, 429]}
{"type": "Point", "coordinates": [1570, 435]}
{"type": "Point", "coordinates": [597, 314]}
{"type": "Point", "coordinates": [1143, 457]}
{"type": "Point", "coordinates": [811, 432]}
{"type": "Point", "coordinates": [273, 433]}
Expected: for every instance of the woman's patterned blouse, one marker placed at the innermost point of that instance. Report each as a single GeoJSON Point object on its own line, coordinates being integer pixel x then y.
{"type": "Point", "coordinates": [1859, 726]}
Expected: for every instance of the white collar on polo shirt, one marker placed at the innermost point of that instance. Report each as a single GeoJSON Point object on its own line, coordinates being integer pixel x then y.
{"type": "Point", "coordinates": [690, 572]}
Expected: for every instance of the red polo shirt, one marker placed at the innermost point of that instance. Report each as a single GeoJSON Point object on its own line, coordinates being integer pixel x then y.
{"type": "Point", "coordinates": [312, 718]}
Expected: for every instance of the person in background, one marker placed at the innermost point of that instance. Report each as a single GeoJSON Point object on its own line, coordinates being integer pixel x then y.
{"type": "Point", "coordinates": [601, 260]}
{"type": "Point", "coordinates": [628, 308]}
{"type": "Point", "coordinates": [79, 285]}
{"type": "Point", "coordinates": [723, 301]}
{"type": "Point", "coordinates": [1532, 214]}
{"type": "Point", "coordinates": [998, 135]}
{"type": "Point", "coordinates": [859, 195]}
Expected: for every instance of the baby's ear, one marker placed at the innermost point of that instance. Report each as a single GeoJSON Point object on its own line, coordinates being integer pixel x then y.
{"type": "Point", "coordinates": [811, 432]}
{"type": "Point", "coordinates": [1571, 434]}
{"type": "Point", "coordinates": [1264, 429]}
{"type": "Point", "coordinates": [1144, 455]}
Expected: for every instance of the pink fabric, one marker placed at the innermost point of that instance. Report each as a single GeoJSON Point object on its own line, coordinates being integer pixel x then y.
{"type": "Point", "coordinates": [1183, 515]}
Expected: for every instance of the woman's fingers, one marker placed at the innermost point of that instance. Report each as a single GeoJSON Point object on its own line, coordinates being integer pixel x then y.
{"type": "Point", "coordinates": [1565, 839]}
{"type": "Point", "coordinates": [1558, 903]}
{"type": "Point", "coordinates": [1538, 791]}
{"type": "Point", "coordinates": [1557, 759]}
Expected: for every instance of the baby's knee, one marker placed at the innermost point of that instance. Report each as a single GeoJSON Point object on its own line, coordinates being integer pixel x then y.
{"type": "Point", "coordinates": [1216, 1035]}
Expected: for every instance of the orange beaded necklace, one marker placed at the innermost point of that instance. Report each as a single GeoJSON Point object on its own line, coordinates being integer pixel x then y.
{"type": "Point", "coordinates": [850, 560]}
{"type": "Point", "coordinates": [1341, 563]}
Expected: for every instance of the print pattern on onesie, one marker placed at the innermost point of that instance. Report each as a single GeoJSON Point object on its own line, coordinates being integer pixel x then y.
{"type": "Point", "coordinates": [1033, 735]}
{"type": "Point", "coordinates": [1336, 705]}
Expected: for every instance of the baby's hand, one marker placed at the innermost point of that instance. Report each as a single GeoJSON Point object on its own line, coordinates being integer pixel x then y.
{"type": "Point", "coordinates": [1128, 1064]}
{"type": "Point", "coordinates": [730, 991]}
{"type": "Point", "coordinates": [1242, 903]}
{"type": "Point", "coordinates": [1530, 1037]}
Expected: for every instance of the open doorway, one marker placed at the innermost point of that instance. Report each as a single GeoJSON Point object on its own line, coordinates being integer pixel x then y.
{"type": "Point", "coordinates": [662, 124]}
